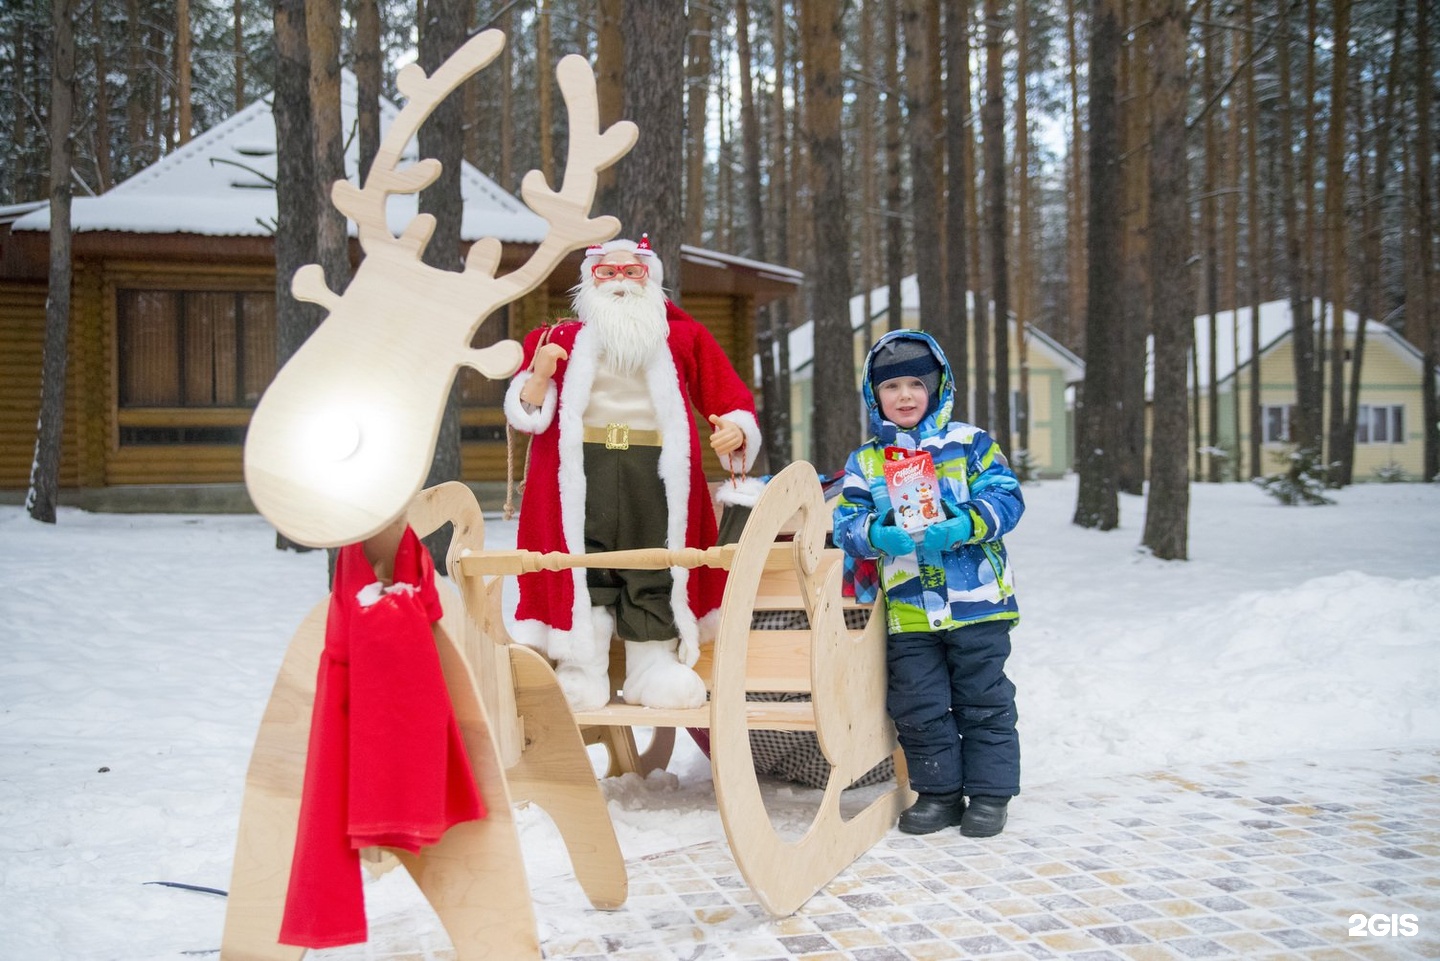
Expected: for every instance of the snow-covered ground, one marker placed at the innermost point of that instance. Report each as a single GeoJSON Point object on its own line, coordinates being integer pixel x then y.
{"type": "Point", "coordinates": [139, 652]}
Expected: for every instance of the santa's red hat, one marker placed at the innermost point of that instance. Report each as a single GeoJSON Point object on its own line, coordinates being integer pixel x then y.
{"type": "Point", "coordinates": [642, 251]}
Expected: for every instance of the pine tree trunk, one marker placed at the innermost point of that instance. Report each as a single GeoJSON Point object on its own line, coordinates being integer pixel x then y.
{"type": "Point", "coordinates": [1207, 465]}
{"type": "Point", "coordinates": [322, 26]}
{"type": "Point", "coordinates": [652, 176]}
{"type": "Point", "coordinates": [835, 424]}
{"type": "Point", "coordinates": [1075, 243]}
{"type": "Point", "coordinates": [44, 493]}
{"type": "Point", "coordinates": [137, 84]}
{"type": "Point", "coordinates": [894, 180]}
{"type": "Point", "coordinates": [1133, 331]}
{"type": "Point", "coordinates": [239, 53]}
{"type": "Point", "coordinates": [367, 82]}
{"type": "Point", "coordinates": [957, 273]}
{"type": "Point", "coordinates": [1097, 503]}
{"type": "Point", "coordinates": [1168, 504]}
{"type": "Point", "coordinates": [1427, 326]}
{"type": "Point", "coordinates": [1023, 254]}
{"type": "Point", "coordinates": [442, 32]}
{"type": "Point", "coordinates": [182, 67]}
{"type": "Point", "coordinates": [924, 211]}
{"type": "Point", "coordinates": [1337, 264]}
{"type": "Point", "coordinates": [780, 445]}
{"type": "Point", "coordinates": [997, 220]}
{"type": "Point", "coordinates": [1231, 215]}
{"type": "Point", "coordinates": [697, 95]}
{"type": "Point", "coordinates": [296, 199]}
{"type": "Point", "coordinates": [771, 399]}
{"type": "Point", "coordinates": [103, 177]}
{"type": "Point", "coordinates": [609, 90]}
{"type": "Point", "coordinates": [1253, 249]}
{"type": "Point", "coordinates": [867, 105]}
{"type": "Point", "coordinates": [506, 81]}
{"type": "Point", "coordinates": [981, 396]}
{"type": "Point", "coordinates": [1305, 421]}
{"type": "Point", "coordinates": [544, 87]}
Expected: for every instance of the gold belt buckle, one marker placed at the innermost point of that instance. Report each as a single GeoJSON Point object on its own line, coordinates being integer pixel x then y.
{"type": "Point", "coordinates": [617, 436]}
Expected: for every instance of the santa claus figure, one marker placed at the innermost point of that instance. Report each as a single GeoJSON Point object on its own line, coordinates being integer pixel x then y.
{"type": "Point", "coordinates": [615, 465]}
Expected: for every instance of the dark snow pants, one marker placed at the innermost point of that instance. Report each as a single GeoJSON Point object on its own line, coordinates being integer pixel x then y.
{"type": "Point", "coordinates": [954, 709]}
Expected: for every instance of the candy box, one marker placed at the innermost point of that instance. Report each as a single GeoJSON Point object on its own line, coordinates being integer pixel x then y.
{"type": "Point", "coordinates": [914, 490]}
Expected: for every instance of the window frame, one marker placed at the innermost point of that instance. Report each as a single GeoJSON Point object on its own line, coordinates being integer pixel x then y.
{"type": "Point", "coordinates": [1287, 419]}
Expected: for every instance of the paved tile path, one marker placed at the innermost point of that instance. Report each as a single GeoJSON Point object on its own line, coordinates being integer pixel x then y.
{"type": "Point", "coordinates": [1264, 861]}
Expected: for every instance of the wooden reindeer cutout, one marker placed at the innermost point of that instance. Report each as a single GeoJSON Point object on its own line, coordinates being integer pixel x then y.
{"type": "Point", "coordinates": [342, 440]}
{"type": "Point", "coordinates": [474, 878]}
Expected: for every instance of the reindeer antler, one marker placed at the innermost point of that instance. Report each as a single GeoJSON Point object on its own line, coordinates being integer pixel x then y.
{"type": "Point", "coordinates": [590, 151]}
{"type": "Point", "coordinates": [366, 205]}
{"type": "Point", "coordinates": [342, 440]}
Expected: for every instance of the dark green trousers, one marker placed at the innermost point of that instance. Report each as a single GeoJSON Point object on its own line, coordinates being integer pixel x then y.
{"type": "Point", "coordinates": [625, 510]}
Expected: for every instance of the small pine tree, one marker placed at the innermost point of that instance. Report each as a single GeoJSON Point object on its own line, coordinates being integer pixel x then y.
{"type": "Point", "coordinates": [1302, 483]}
{"type": "Point", "coordinates": [1390, 473]}
{"type": "Point", "coordinates": [1023, 466]}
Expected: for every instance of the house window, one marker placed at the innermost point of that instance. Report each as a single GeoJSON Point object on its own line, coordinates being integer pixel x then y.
{"type": "Point", "coordinates": [193, 348]}
{"type": "Point", "coordinates": [1276, 418]}
{"type": "Point", "coordinates": [1380, 424]}
{"type": "Point", "coordinates": [1016, 399]}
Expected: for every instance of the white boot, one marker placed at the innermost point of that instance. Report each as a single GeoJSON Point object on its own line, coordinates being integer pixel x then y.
{"type": "Point", "coordinates": [655, 677]}
{"type": "Point", "coordinates": [586, 680]}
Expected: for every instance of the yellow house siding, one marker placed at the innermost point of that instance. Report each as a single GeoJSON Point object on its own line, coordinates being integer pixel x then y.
{"type": "Point", "coordinates": [1388, 377]}
{"type": "Point", "coordinates": [1050, 453]}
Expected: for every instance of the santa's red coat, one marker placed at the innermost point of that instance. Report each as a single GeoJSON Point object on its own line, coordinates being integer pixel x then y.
{"type": "Point", "coordinates": [554, 610]}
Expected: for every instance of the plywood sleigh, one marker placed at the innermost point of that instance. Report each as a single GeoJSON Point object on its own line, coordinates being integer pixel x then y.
{"type": "Point", "coordinates": [842, 670]}
{"type": "Point", "coordinates": [336, 454]}
{"type": "Point", "coordinates": [527, 746]}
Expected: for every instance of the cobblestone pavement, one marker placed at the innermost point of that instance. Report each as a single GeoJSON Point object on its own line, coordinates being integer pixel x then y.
{"type": "Point", "coordinates": [1242, 860]}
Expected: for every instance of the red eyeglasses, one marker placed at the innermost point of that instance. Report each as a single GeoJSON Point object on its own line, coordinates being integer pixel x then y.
{"type": "Point", "coordinates": [603, 272]}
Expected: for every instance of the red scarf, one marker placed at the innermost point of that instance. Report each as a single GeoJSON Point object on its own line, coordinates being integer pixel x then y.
{"type": "Point", "coordinates": [387, 766]}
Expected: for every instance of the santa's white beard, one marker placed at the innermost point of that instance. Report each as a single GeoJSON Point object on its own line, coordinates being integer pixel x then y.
{"type": "Point", "coordinates": [628, 320]}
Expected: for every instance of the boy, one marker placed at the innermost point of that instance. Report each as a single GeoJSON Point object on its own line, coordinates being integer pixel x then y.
{"type": "Point", "coordinates": [949, 592]}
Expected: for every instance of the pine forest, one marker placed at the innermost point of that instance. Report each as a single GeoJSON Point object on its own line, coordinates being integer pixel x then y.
{"type": "Point", "coordinates": [1104, 172]}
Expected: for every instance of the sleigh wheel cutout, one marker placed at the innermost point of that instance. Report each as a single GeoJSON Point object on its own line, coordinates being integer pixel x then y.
{"type": "Point", "coordinates": [847, 689]}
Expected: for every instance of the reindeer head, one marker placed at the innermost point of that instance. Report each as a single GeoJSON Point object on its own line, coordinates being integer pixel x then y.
{"type": "Point", "coordinates": [342, 440]}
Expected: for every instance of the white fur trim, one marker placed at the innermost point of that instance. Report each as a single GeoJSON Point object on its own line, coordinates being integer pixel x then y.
{"type": "Point", "coordinates": [672, 417]}
{"type": "Point", "coordinates": [710, 626]}
{"type": "Point", "coordinates": [531, 422]}
{"type": "Point", "coordinates": [744, 420]}
{"type": "Point", "coordinates": [741, 493]}
{"type": "Point", "coordinates": [579, 378]}
{"type": "Point", "coordinates": [648, 257]}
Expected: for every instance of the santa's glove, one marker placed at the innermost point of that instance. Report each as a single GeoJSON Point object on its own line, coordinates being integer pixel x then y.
{"type": "Point", "coordinates": [891, 540]}
{"type": "Point", "coordinates": [948, 535]}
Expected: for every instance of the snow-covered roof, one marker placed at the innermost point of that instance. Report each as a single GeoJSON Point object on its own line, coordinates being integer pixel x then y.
{"type": "Point", "coordinates": [220, 184]}
{"type": "Point", "coordinates": [802, 338]}
{"type": "Point", "coordinates": [1274, 327]}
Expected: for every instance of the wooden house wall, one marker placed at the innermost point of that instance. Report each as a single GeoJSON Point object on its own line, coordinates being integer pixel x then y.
{"type": "Point", "coordinates": [22, 331]}
{"type": "Point", "coordinates": [1387, 377]}
{"type": "Point", "coordinates": [93, 452]}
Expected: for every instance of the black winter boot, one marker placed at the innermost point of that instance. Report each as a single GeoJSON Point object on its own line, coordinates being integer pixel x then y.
{"type": "Point", "coordinates": [985, 817]}
{"type": "Point", "coordinates": [931, 812]}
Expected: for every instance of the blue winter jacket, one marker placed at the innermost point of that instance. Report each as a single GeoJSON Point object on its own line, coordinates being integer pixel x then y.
{"type": "Point", "coordinates": [935, 590]}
